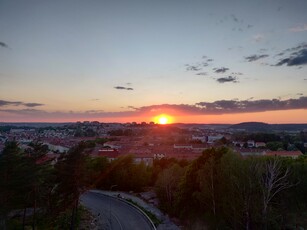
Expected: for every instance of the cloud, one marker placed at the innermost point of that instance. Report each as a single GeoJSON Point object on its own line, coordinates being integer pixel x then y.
{"type": "Point", "coordinates": [229, 106]}
{"type": "Point", "coordinates": [262, 50]}
{"type": "Point", "coordinates": [4, 45]}
{"type": "Point", "coordinates": [300, 28]}
{"type": "Point", "coordinates": [200, 65]}
{"type": "Point", "coordinates": [248, 106]}
{"type": "Point", "coordinates": [32, 104]}
{"type": "Point", "coordinates": [193, 68]}
{"type": "Point", "coordinates": [132, 107]}
{"type": "Point", "coordinates": [258, 38]}
{"type": "Point", "coordinates": [123, 88]}
{"type": "Point", "coordinates": [202, 74]}
{"type": "Point", "coordinates": [19, 103]}
{"type": "Point", "coordinates": [220, 70]}
{"type": "Point", "coordinates": [237, 73]}
{"type": "Point", "coordinates": [227, 79]}
{"type": "Point", "coordinates": [234, 18]}
{"type": "Point", "coordinates": [297, 58]}
{"type": "Point", "coordinates": [219, 107]}
{"type": "Point", "coordinates": [93, 111]}
{"type": "Point", "coordinates": [255, 57]}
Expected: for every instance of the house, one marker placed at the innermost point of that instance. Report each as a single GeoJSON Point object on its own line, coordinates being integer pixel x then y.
{"type": "Point", "coordinates": [246, 152]}
{"type": "Point", "coordinates": [260, 144]}
{"type": "Point", "coordinates": [199, 147]}
{"type": "Point", "coordinates": [250, 144]}
{"type": "Point", "coordinates": [199, 138]}
{"type": "Point", "coordinates": [292, 154]}
{"type": "Point", "coordinates": [147, 159]}
{"type": "Point", "coordinates": [113, 145]}
{"type": "Point", "coordinates": [176, 146]}
{"type": "Point", "coordinates": [212, 139]}
{"type": "Point", "coordinates": [238, 143]}
{"type": "Point", "coordinates": [159, 156]}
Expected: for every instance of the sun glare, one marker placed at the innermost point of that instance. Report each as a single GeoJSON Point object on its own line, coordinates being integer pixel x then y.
{"type": "Point", "coordinates": [163, 119]}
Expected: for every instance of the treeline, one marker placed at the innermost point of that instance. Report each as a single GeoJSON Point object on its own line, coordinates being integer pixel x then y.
{"type": "Point", "coordinates": [34, 193]}
{"type": "Point", "coordinates": [276, 141]}
{"type": "Point", "coordinates": [219, 190]}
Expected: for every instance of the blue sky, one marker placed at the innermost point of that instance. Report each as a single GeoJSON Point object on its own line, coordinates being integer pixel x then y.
{"type": "Point", "coordinates": [112, 59]}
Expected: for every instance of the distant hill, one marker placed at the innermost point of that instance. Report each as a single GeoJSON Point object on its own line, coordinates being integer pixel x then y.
{"type": "Point", "coordinates": [264, 127]}
{"type": "Point", "coordinates": [33, 124]}
{"type": "Point", "coordinates": [289, 127]}
{"type": "Point", "coordinates": [252, 127]}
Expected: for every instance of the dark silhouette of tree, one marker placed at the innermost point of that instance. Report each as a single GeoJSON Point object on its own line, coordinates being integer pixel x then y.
{"type": "Point", "coordinates": [71, 174]}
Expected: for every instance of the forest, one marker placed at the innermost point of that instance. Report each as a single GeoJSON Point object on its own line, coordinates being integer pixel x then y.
{"type": "Point", "coordinates": [218, 190]}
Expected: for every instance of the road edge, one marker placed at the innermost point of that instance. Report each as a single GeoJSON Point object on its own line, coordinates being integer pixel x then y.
{"type": "Point", "coordinates": [129, 203]}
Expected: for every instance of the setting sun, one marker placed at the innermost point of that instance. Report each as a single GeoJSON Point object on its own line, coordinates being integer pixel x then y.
{"type": "Point", "coordinates": [163, 119]}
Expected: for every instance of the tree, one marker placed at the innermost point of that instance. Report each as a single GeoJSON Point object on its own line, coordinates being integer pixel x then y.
{"type": "Point", "coordinates": [11, 180]}
{"type": "Point", "coordinates": [273, 179]}
{"type": "Point", "coordinates": [71, 174]}
{"type": "Point", "coordinates": [240, 199]}
{"type": "Point", "coordinates": [275, 145]}
{"type": "Point", "coordinates": [167, 186]}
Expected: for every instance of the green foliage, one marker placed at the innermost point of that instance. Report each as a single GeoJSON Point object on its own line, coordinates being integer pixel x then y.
{"type": "Point", "coordinates": [24, 183]}
{"type": "Point", "coordinates": [121, 132]}
{"type": "Point", "coordinates": [275, 145]}
{"type": "Point", "coordinates": [222, 190]}
{"type": "Point", "coordinates": [126, 174]}
{"type": "Point", "coordinates": [167, 186]}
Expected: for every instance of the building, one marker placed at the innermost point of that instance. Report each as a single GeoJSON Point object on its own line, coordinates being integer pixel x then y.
{"type": "Point", "coordinates": [292, 154]}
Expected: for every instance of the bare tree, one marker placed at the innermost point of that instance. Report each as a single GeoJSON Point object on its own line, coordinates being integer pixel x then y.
{"type": "Point", "coordinates": [273, 180]}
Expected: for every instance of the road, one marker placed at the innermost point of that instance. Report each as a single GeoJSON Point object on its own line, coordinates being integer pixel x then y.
{"type": "Point", "coordinates": [114, 214]}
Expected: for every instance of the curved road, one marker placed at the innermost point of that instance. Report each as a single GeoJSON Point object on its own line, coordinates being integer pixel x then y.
{"type": "Point", "coordinates": [113, 213]}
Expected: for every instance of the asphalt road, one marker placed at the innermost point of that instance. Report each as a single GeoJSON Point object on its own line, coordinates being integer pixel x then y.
{"type": "Point", "coordinates": [114, 214]}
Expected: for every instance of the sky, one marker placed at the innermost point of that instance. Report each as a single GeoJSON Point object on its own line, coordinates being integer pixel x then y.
{"type": "Point", "coordinates": [221, 61]}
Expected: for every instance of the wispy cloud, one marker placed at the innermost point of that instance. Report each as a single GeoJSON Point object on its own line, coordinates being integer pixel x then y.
{"type": "Point", "coordinates": [202, 74]}
{"type": "Point", "coordinates": [258, 38]}
{"type": "Point", "coordinates": [221, 70]}
{"type": "Point", "coordinates": [19, 103]}
{"type": "Point", "coordinates": [227, 79]}
{"type": "Point", "coordinates": [237, 73]}
{"type": "Point", "coordinates": [299, 28]}
{"type": "Point", "coordinates": [255, 57]}
{"type": "Point", "coordinates": [193, 68]}
{"type": "Point", "coordinates": [123, 88]}
{"type": "Point", "coordinates": [234, 18]}
{"type": "Point", "coordinates": [94, 111]}
{"type": "Point", "coordinates": [200, 65]}
{"type": "Point", "coordinates": [4, 45]}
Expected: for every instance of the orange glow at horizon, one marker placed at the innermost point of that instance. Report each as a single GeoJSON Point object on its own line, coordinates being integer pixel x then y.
{"type": "Point", "coordinates": [163, 119]}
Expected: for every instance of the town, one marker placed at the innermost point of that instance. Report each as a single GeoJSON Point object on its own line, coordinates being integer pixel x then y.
{"type": "Point", "coordinates": [149, 141]}
{"type": "Point", "coordinates": [67, 175]}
